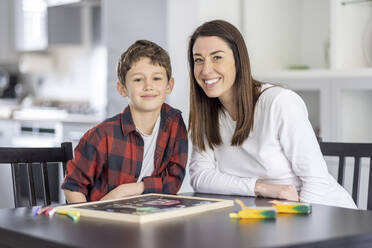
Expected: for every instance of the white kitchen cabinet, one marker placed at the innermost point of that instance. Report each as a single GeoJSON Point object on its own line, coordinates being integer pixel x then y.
{"type": "Point", "coordinates": [74, 24]}
{"type": "Point", "coordinates": [31, 24]}
{"type": "Point", "coordinates": [319, 34]}
{"type": "Point", "coordinates": [353, 96]}
{"type": "Point", "coordinates": [331, 37]}
{"type": "Point", "coordinates": [6, 132]}
{"type": "Point", "coordinates": [39, 27]}
{"type": "Point", "coordinates": [339, 105]}
{"type": "Point", "coordinates": [8, 53]}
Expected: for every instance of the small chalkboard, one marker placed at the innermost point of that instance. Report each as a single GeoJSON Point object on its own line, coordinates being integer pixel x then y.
{"type": "Point", "coordinates": [148, 207]}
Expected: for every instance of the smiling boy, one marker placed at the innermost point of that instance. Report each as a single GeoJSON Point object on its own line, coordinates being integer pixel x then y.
{"type": "Point", "coordinates": [143, 149]}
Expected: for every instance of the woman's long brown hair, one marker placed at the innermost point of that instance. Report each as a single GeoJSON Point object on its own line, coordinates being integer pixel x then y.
{"type": "Point", "coordinates": [205, 111]}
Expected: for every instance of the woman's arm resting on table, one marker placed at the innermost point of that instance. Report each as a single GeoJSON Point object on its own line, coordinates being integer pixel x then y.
{"type": "Point", "coordinates": [286, 192]}
{"type": "Point", "coordinates": [302, 150]}
{"type": "Point", "coordinates": [206, 178]}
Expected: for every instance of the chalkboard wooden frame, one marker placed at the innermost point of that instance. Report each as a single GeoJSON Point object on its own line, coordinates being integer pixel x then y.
{"type": "Point", "coordinates": [154, 207]}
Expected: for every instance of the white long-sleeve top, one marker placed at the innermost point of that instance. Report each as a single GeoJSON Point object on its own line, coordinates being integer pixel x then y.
{"type": "Point", "coordinates": [281, 149]}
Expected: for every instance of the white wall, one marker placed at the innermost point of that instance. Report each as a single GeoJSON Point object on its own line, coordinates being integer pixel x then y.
{"type": "Point", "coordinates": [184, 16]}
{"type": "Point", "coordinates": [177, 39]}
{"type": "Point", "coordinates": [124, 22]}
{"type": "Point", "coordinates": [353, 105]}
{"type": "Point", "coordinates": [7, 47]}
{"type": "Point", "coordinates": [284, 33]}
{"type": "Point", "coordinates": [271, 31]}
{"type": "Point", "coordinates": [315, 33]}
{"type": "Point", "coordinates": [349, 24]}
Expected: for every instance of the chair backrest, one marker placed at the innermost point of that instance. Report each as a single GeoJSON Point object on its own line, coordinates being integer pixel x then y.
{"type": "Point", "coordinates": [31, 157]}
{"type": "Point", "coordinates": [357, 151]}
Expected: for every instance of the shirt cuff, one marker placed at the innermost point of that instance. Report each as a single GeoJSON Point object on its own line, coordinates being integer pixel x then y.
{"type": "Point", "coordinates": [250, 185]}
{"type": "Point", "coordinates": [74, 186]}
{"type": "Point", "coordinates": [152, 185]}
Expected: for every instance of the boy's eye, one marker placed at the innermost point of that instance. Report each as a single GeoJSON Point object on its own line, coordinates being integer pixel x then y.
{"type": "Point", "coordinates": [137, 80]}
{"type": "Point", "coordinates": [198, 60]}
{"type": "Point", "coordinates": [157, 78]}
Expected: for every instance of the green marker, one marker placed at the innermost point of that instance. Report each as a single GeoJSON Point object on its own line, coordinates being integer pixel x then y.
{"type": "Point", "coordinates": [72, 216]}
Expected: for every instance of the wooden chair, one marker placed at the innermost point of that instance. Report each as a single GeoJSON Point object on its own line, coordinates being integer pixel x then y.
{"type": "Point", "coordinates": [357, 151]}
{"type": "Point", "coordinates": [32, 157]}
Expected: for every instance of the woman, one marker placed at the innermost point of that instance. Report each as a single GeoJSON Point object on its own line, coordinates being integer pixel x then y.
{"type": "Point", "coordinates": [250, 138]}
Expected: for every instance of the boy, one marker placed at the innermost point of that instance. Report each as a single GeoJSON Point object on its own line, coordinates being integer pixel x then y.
{"type": "Point", "coordinates": [143, 149]}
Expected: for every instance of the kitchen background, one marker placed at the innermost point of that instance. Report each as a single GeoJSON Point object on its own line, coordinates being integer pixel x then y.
{"type": "Point", "coordinates": [58, 60]}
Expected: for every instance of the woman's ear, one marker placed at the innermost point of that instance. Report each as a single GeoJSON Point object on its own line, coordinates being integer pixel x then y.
{"type": "Point", "coordinates": [121, 89]}
{"type": "Point", "coordinates": [170, 85]}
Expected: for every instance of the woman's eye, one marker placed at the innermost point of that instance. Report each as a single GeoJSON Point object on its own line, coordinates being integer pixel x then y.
{"type": "Point", "coordinates": [137, 79]}
{"type": "Point", "coordinates": [215, 58]}
{"type": "Point", "coordinates": [198, 60]}
{"type": "Point", "coordinates": [157, 78]}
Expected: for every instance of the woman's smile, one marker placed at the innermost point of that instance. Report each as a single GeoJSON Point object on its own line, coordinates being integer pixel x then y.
{"type": "Point", "coordinates": [209, 83]}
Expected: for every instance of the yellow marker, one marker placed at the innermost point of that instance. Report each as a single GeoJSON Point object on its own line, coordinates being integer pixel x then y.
{"type": "Point", "coordinates": [241, 203]}
{"type": "Point", "coordinates": [253, 212]}
{"type": "Point", "coordinates": [258, 213]}
{"type": "Point", "coordinates": [234, 216]}
{"type": "Point", "coordinates": [292, 207]}
{"type": "Point", "coordinates": [65, 212]}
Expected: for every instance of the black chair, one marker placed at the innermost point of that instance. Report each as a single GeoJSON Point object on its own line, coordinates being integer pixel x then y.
{"type": "Point", "coordinates": [30, 158]}
{"type": "Point", "coordinates": [357, 151]}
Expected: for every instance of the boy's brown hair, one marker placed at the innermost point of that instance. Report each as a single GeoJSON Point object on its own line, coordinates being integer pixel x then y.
{"type": "Point", "coordinates": [143, 49]}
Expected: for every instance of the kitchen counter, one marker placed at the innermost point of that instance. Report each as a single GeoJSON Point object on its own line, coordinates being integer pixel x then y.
{"type": "Point", "coordinates": [14, 112]}
{"type": "Point", "coordinates": [11, 109]}
{"type": "Point", "coordinates": [7, 106]}
{"type": "Point", "coordinates": [44, 127]}
{"type": "Point", "coordinates": [38, 114]}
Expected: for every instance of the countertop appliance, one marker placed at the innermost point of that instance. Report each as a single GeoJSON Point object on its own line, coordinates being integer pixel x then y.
{"type": "Point", "coordinates": [8, 83]}
{"type": "Point", "coordinates": [4, 80]}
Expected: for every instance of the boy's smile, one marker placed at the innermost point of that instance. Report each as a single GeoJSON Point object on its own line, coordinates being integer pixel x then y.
{"type": "Point", "coordinates": [146, 85]}
{"type": "Point", "coordinates": [149, 96]}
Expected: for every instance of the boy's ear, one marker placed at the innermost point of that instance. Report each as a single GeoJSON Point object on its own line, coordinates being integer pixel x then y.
{"type": "Point", "coordinates": [121, 89]}
{"type": "Point", "coordinates": [170, 85]}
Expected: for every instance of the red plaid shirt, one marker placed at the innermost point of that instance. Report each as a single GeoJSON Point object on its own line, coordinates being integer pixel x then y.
{"type": "Point", "coordinates": [111, 154]}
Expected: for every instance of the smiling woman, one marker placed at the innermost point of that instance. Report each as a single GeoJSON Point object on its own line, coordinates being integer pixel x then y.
{"type": "Point", "coordinates": [249, 137]}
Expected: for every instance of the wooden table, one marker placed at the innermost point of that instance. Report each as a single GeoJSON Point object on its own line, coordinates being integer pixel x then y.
{"type": "Point", "coordinates": [325, 227]}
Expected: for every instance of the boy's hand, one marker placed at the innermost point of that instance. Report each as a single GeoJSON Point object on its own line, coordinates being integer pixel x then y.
{"type": "Point", "coordinates": [286, 192]}
{"type": "Point", "coordinates": [123, 190]}
{"type": "Point", "coordinates": [74, 197]}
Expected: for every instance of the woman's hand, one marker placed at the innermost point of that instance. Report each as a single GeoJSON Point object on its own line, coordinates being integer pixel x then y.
{"type": "Point", "coordinates": [123, 190]}
{"type": "Point", "coordinates": [280, 191]}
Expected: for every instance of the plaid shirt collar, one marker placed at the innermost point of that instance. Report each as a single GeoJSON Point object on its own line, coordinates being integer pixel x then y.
{"type": "Point", "coordinates": [127, 123]}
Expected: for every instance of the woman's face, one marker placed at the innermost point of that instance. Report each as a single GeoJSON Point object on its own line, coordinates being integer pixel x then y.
{"type": "Point", "coordinates": [214, 67]}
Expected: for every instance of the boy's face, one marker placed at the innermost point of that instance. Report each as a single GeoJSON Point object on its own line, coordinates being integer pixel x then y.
{"type": "Point", "coordinates": [146, 86]}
